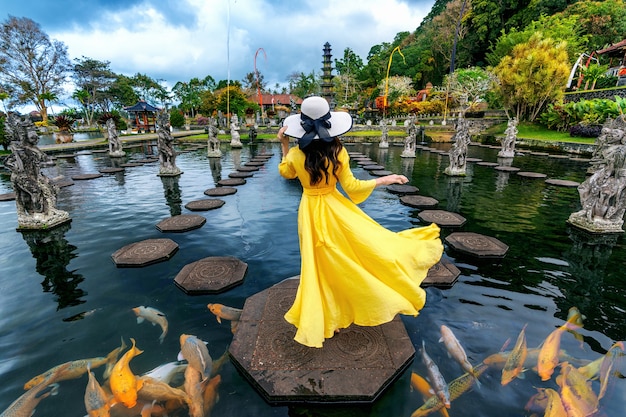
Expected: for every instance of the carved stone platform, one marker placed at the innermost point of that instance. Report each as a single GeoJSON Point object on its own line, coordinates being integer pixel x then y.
{"type": "Point", "coordinates": [562, 183]}
{"type": "Point", "coordinates": [402, 189]}
{"type": "Point", "coordinates": [145, 252]}
{"type": "Point", "coordinates": [231, 181]}
{"type": "Point", "coordinates": [7, 197]}
{"type": "Point", "coordinates": [181, 223]}
{"type": "Point", "coordinates": [354, 366]}
{"type": "Point", "coordinates": [220, 191]}
{"type": "Point", "coordinates": [131, 165]}
{"type": "Point", "coordinates": [211, 275]}
{"type": "Point", "coordinates": [443, 274]}
{"type": "Point", "coordinates": [146, 161]}
{"type": "Point", "coordinates": [380, 173]}
{"type": "Point", "coordinates": [254, 164]}
{"type": "Point", "coordinates": [487, 164]}
{"type": "Point", "coordinates": [418, 201]}
{"type": "Point", "coordinates": [240, 174]}
{"type": "Point", "coordinates": [477, 245]}
{"type": "Point", "coordinates": [373, 167]}
{"type": "Point", "coordinates": [527, 174]}
{"type": "Point", "coordinates": [473, 160]}
{"type": "Point", "coordinates": [110, 170]}
{"type": "Point", "coordinates": [247, 169]}
{"type": "Point", "coordinates": [205, 204]}
{"type": "Point", "coordinates": [442, 218]}
{"type": "Point", "coordinates": [83, 177]}
{"type": "Point", "coordinates": [505, 168]}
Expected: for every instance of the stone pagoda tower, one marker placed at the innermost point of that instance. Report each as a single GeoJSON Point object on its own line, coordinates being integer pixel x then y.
{"type": "Point", "coordinates": [327, 77]}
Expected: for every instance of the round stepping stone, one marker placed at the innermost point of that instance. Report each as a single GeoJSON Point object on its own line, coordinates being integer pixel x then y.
{"type": "Point", "coordinates": [181, 223]}
{"type": "Point", "coordinates": [380, 173]}
{"type": "Point", "coordinates": [240, 174]}
{"type": "Point", "coordinates": [418, 201]}
{"type": "Point", "coordinates": [363, 162]}
{"type": "Point", "coordinates": [81, 177]}
{"type": "Point", "coordinates": [131, 165]}
{"type": "Point", "coordinates": [402, 189]}
{"type": "Point", "coordinates": [265, 154]}
{"type": "Point", "coordinates": [220, 191]}
{"type": "Point", "coordinates": [205, 204]}
{"type": "Point", "coordinates": [473, 160]}
{"type": "Point", "coordinates": [64, 183]}
{"type": "Point", "coordinates": [477, 245]}
{"type": "Point", "coordinates": [442, 218]}
{"type": "Point", "coordinates": [487, 164]}
{"type": "Point", "coordinates": [443, 274]}
{"type": "Point", "coordinates": [110, 170]}
{"type": "Point", "coordinates": [7, 197]}
{"type": "Point", "coordinates": [254, 164]}
{"type": "Point", "coordinates": [146, 161]}
{"type": "Point", "coordinates": [145, 252]}
{"type": "Point", "coordinates": [562, 183]}
{"type": "Point", "coordinates": [247, 169]}
{"type": "Point", "coordinates": [505, 168]}
{"type": "Point", "coordinates": [211, 275]}
{"type": "Point", "coordinates": [355, 154]}
{"type": "Point", "coordinates": [539, 153]}
{"type": "Point", "coordinates": [373, 167]}
{"type": "Point", "coordinates": [231, 181]}
{"type": "Point", "coordinates": [355, 365]}
{"type": "Point", "coordinates": [527, 174]}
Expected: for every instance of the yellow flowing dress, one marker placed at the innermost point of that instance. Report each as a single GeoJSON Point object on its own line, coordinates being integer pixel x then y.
{"type": "Point", "coordinates": [353, 270]}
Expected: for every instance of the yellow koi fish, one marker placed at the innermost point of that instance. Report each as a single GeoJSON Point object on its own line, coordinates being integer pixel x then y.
{"type": "Point", "coordinates": [454, 348]}
{"type": "Point", "coordinates": [608, 366]}
{"type": "Point", "coordinates": [549, 354]}
{"type": "Point", "coordinates": [553, 405]}
{"type": "Point", "coordinates": [515, 361]}
{"type": "Point", "coordinates": [152, 389]}
{"type": "Point", "coordinates": [195, 352]}
{"type": "Point", "coordinates": [124, 384]}
{"type": "Point", "coordinates": [193, 388]}
{"type": "Point", "coordinates": [96, 399]}
{"type": "Point", "coordinates": [25, 405]}
{"type": "Point", "coordinates": [210, 396]}
{"type": "Point", "coordinates": [227, 313]}
{"type": "Point", "coordinates": [498, 360]}
{"type": "Point", "coordinates": [154, 316]}
{"type": "Point", "coordinates": [423, 387]}
{"type": "Point", "coordinates": [592, 369]}
{"type": "Point", "coordinates": [577, 396]}
{"type": "Point", "coordinates": [436, 379]}
{"type": "Point", "coordinates": [456, 388]}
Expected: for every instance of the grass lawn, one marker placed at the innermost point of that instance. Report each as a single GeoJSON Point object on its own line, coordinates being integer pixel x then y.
{"type": "Point", "coordinates": [535, 131]}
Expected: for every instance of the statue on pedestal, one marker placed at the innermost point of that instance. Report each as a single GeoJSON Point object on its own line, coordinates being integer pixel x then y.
{"type": "Point", "coordinates": [167, 154]}
{"type": "Point", "coordinates": [213, 142]}
{"type": "Point", "coordinates": [409, 141]}
{"type": "Point", "coordinates": [458, 152]}
{"type": "Point", "coordinates": [235, 138]}
{"type": "Point", "coordinates": [115, 145]}
{"type": "Point", "coordinates": [384, 134]}
{"type": "Point", "coordinates": [508, 142]}
{"type": "Point", "coordinates": [35, 194]}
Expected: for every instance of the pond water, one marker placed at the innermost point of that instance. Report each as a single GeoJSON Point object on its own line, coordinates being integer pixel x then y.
{"type": "Point", "coordinates": [62, 298]}
{"type": "Point", "coordinates": [78, 137]}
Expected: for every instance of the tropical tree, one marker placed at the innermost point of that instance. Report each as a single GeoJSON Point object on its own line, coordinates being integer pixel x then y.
{"type": "Point", "coordinates": [533, 76]}
{"type": "Point", "coordinates": [233, 100]}
{"type": "Point", "coordinates": [253, 82]}
{"type": "Point", "coordinates": [30, 63]}
{"type": "Point", "coordinates": [471, 84]}
{"type": "Point", "coordinates": [593, 73]}
{"type": "Point", "coordinates": [122, 92]}
{"type": "Point", "coordinates": [93, 79]}
{"type": "Point", "coordinates": [150, 89]}
{"type": "Point", "coordinates": [302, 85]}
{"type": "Point", "coordinates": [189, 93]}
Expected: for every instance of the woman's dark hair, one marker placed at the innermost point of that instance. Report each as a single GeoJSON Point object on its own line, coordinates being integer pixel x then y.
{"type": "Point", "coordinates": [319, 157]}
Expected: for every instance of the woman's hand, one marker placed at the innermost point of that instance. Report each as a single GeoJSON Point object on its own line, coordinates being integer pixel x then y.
{"type": "Point", "coordinates": [281, 135]}
{"type": "Point", "coordinates": [391, 179]}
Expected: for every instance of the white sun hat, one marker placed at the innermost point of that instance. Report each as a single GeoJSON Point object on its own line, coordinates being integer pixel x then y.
{"type": "Point", "coordinates": [316, 121]}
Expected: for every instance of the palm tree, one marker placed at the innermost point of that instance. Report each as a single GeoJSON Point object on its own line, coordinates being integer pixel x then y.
{"type": "Point", "coordinates": [42, 98]}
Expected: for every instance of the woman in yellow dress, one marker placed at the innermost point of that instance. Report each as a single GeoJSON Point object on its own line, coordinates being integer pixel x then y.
{"type": "Point", "coordinates": [353, 269]}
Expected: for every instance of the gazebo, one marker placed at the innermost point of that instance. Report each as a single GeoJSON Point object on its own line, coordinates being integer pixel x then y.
{"type": "Point", "coordinates": [144, 115]}
{"type": "Point", "coordinates": [617, 60]}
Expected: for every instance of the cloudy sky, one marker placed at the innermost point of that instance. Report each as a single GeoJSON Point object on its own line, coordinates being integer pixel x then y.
{"type": "Point", "coordinates": [176, 40]}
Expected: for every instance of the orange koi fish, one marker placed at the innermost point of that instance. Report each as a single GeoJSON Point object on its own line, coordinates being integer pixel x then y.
{"type": "Point", "coordinates": [551, 401]}
{"type": "Point", "coordinates": [549, 353]}
{"type": "Point", "coordinates": [154, 316]}
{"type": "Point", "coordinates": [210, 396]}
{"type": "Point", "coordinates": [423, 387]}
{"type": "Point", "coordinates": [498, 360]}
{"type": "Point", "coordinates": [456, 388]}
{"type": "Point", "coordinates": [436, 379]}
{"type": "Point", "coordinates": [96, 399]}
{"type": "Point", "coordinates": [227, 313]}
{"type": "Point", "coordinates": [195, 352]}
{"type": "Point", "coordinates": [454, 348]}
{"type": "Point", "coordinates": [193, 388]}
{"type": "Point", "coordinates": [515, 361]}
{"type": "Point", "coordinates": [124, 384]}
{"type": "Point", "coordinates": [577, 396]}
{"type": "Point", "coordinates": [152, 389]}
{"type": "Point", "coordinates": [25, 405]}
{"type": "Point", "coordinates": [607, 368]}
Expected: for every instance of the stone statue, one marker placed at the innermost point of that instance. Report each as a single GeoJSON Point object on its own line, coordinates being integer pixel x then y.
{"type": "Point", "coordinates": [214, 143]}
{"type": "Point", "coordinates": [609, 136]}
{"type": "Point", "coordinates": [508, 142]}
{"type": "Point", "coordinates": [409, 141]}
{"type": "Point", "coordinates": [235, 138]}
{"type": "Point", "coordinates": [167, 154]}
{"type": "Point", "coordinates": [35, 194]}
{"type": "Point", "coordinates": [115, 146]}
{"type": "Point", "coordinates": [252, 132]}
{"type": "Point", "coordinates": [458, 152]}
{"type": "Point", "coordinates": [384, 134]}
{"type": "Point", "coordinates": [603, 194]}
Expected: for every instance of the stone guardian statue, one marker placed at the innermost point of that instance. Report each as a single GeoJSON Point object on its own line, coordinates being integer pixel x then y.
{"type": "Point", "coordinates": [235, 138]}
{"type": "Point", "coordinates": [458, 152]}
{"type": "Point", "coordinates": [508, 142]}
{"type": "Point", "coordinates": [409, 141]}
{"type": "Point", "coordinates": [213, 142]}
{"type": "Point", "coordinates": [384, 134]}
{"type": "Point", "coordinates": [167, 154]}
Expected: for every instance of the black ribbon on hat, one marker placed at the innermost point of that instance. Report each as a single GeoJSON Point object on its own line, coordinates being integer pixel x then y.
{"type": "Point", "coordinates": [318, 127]}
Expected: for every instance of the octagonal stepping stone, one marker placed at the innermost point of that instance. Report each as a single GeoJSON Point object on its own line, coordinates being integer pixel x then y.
{"type": "Point", "coordinates": [562, 183]}
{"type": "Point", "coordinates": [64, 183]}
{"type": "Point", "coordinates": [83, 177]}
{"type": "Point", "coordinates": [220, 191]}
{"type": "Point", "coordinates": [145, 252]}
{"type": "Point", "coordinates": [527, 174]}
{"type": "Point", "coordinates": [506, 168]}
{"type": "Point", "coordinates": [265, 154]}
{"type": "Point", "coordinates": [110, 170]}
{"type": "Point", "coordinates": [248, 169]}
{"type": "Point", "coordinates": [487, 164]}
{"type": "Point", "coordinates": [231, 181]}
{"type": "Point", "coordinates": [380, 173]}
{"type": "Point", "coordinates": [477, 245]}
{"type": "Point", "coordinates": [363, 162]}
{"type": "Point", "coordinates": [211, 275]}
{"type": "Point", "coordinates": [442, 218]}
{"type": "Point", "coordinates": [473, 160]}
{"type": "Point", "coordinates": [7, 197]}
{"type": "Point", "coordinates": [131, 165]}
{"type": "Point", "coordinates": [205, 204]}
{"type": "Point", "coordinates": [539, 153]}
{"type": "Point", "coordinates": [146, 161]}
{"type": "Point", "coordinates": [355, 154]}
{"type": "Point", "coordinates": [373, 167]}
{"type": "Point", "coordinates": [355, 365]}
{"type": "Point", "coordinates": [402, 189]}
{"type": "Point", "coordinates": [418, 201]}
{"type": "Point", "coordinates": [239, 174]}
{"type": "Point", "coordinates": [443, 274]}
{"type": "Point", "coordinates": [181, 223]}
{"type": "Point", "coordinates": [254, 164]}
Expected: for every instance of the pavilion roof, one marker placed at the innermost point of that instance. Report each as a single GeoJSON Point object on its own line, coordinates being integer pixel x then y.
{"type": "Point", "coordinates": [142, 106]}
{"type": "Point", "coordinates": [613, 48]}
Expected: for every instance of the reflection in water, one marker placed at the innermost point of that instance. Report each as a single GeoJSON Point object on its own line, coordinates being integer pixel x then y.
{"type": "Point", "coordinates": [502, 180]}
{"type": "Point", "coordinates": [236, 157]}
{"type": "Point", "coordinates": [53, 253]}
{"type": "Point", "coordinates": [455, 192]}
{"type": "Point", "coordinates": [407, 165]}
{"type": "Point", "coordinates": [216, 169]}
{"type": "Point", "coordinates": [171, 190]}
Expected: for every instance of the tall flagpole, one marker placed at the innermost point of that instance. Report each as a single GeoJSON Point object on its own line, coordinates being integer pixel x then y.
{"type": "Point", "coordinates": [228, 66]}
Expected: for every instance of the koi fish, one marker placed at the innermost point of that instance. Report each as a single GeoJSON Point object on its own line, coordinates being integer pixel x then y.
{"type": "Point", "coordinates": [227, 313]}
{"type": "Point", "coordinates": [124, 384]}
{"type": "Point", "coordinates": [167, 372]}
{"type": "Point", "coordinates": [608, 364]}
{"type": "Point", "coordinates": [549, 401]}
{"type": "Point", "coordinates": [210, 396]}
{"type": "Point", "coordinates": [548, 355]}
{"type": "Point", "coordinates": [75, 369]}
{"type": "Point", "coordinates": [155, 390]}
{"type": "Point", "coordinates": [25, 404]}
{"type": "Point", "coordinates": [577, 396]}
{"type": "Point", "coordinates": [436, 379]}
{"type": "Point", "coordinates": [498, 360]}
{"type": "Point", "coordinates": [154, 316]}
{"type": "Point", "coordinates": [96, 399]}
{"type": "Point", "coordinates": [423, 387]}
{"type": "Point", "coordinates": [454, 348]}
{"type": "Point", "coordinates": [195, 352]}
{"type": "Point", "coordinates": [193, 388]}
{"type": "Point", "coordinates": [457, 387]}
{"type": "Point", "coordinates": [219, 362]}
{"type": "Point", "coordinates": [515, 361]}
{"type": "Point", "coordinates": [592, 369]}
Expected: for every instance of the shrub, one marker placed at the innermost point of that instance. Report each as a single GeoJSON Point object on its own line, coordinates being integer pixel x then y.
{"type": "Point", "coordinates": [177, 118]}
{"type": "Point", "coordinates": [585, 131]}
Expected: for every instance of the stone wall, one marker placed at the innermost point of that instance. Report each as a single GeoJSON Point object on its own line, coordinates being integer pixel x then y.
{"type": "Point", "coordinates": [605, 93]}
